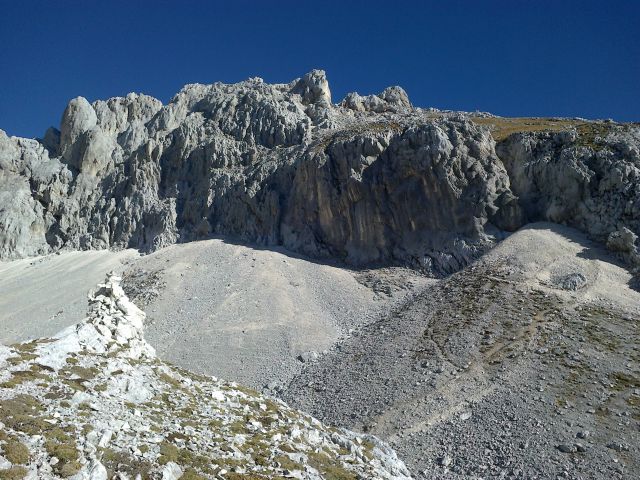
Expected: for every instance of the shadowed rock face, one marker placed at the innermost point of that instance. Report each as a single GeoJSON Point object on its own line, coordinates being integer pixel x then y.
{"type": "Point", "coordinates": [423, 193]}
{"type": "Point", "coordinates": [369, 180]}
{"type": "Point", "coordinates": [591, 186]}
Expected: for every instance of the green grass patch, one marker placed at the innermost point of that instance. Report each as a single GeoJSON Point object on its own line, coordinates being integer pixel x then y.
{"type": "Point", "coordinates": [329, 467]}
{"type": "Point", "coordinates": [118, 461]}
{"type": "Point", "coordinates": [58, 443]}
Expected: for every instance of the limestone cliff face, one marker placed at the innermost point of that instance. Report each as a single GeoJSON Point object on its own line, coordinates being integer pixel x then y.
{"type": "Point", "coordinates": [424, 192]}
{"type": "Point", "coordinates": [369, 180]}
{"type": "Point", "coordinates": [588, 180]}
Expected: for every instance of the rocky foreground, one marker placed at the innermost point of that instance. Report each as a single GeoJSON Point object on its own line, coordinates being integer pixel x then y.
{"type": "Point", "coordinates": [94, 402]}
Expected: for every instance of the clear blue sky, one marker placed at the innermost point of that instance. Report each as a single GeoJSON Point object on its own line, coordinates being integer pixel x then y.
{"type": "Point", "coordinates": [511, 57]}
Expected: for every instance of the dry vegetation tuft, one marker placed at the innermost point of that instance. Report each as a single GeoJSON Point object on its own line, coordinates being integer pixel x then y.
{"type": "Point", "coordinates": [501, 127]}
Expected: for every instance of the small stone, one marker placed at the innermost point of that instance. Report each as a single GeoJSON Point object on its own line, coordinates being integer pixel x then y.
{"type": "Point", "coordinates": [618, 447]}
{"type": "Point", "coordinates": [465, 416]}
{"type": "Point", "coordinates": [308, 357]}
{"type": "Point", "coordinates": [566, 448]}
{"type": "Point", "coordinates": [4, 463]}
{"type": "Point", "coordinates": [106, 438]}
{"type": "Point", "coordinates": [218, 395]}
{"type": "Point", "coordinates": [171, 471]}
{"type": "Point", "coordinates": [97, 472]}
{"type": "Point", "coordinates": [273, 386]}
{"type": "Point", "coordinates": [445, 461]}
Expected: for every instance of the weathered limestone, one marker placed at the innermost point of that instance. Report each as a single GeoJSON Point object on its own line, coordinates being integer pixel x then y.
{"type": "Point", "coordinates": [370, 180]}
{"type": "Point", "coordinates": [391, 99]}
{"type": "Point", "coordinates": [588, 183]}
{"type": "Point", "coordinates": [114, 325]}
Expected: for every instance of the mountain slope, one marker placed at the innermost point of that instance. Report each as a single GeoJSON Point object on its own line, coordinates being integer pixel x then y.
{"type": "Point", "coordinates": [501, 369]}
{"type": "Point", "coordinates": [369, 180]}
{"type": "Point", "coordinates": [94, 401]}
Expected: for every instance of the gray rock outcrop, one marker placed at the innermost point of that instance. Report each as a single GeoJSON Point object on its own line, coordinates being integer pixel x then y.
{"type": "Point", "coordinates": [593, 188]}
{"type": "Point", "coordinates": [391, 99]}
{"type": "Point", "coordinates": [273, 164]}
{"type": "Point", "coordinates": [371, 180]}
{"type": "Point", "coordinates": [587, 180]}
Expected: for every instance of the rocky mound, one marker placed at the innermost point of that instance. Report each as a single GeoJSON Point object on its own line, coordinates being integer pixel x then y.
{"type": "Point", "coordinates": [95, 401]}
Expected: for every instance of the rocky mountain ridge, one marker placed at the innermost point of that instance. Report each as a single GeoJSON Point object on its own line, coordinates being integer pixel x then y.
{"type": "Point", "coordinates": [371, 180]}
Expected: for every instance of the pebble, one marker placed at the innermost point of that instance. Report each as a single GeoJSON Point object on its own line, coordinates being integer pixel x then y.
{"type": "Point", "coordinates": [308, 357]}
{"type": "Point", "coordinates": [465, 415]}
{"type": "Point", "coordinates": [567, 448]}
{"type": "Point", "coordinates": [618, 447]}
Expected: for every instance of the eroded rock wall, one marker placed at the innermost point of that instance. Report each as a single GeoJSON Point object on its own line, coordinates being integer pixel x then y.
{"type": "Point", "coordinates": [370, 180]}
{"type": "Point", "coordinates": [590, 182]}
{"type": "Point", "coordinates": [424, 193]}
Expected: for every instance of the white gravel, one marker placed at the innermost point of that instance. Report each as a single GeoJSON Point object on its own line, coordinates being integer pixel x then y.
{"type": "Point", "coordinates": [246, 314]}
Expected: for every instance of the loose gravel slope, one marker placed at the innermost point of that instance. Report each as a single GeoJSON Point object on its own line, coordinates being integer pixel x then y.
{"type": "Point", "coordinates": [42, 295]}
{"type": "Point", "coordinates": [499, 370]}
{"type": "Point", "coordinates": [247, 314]}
